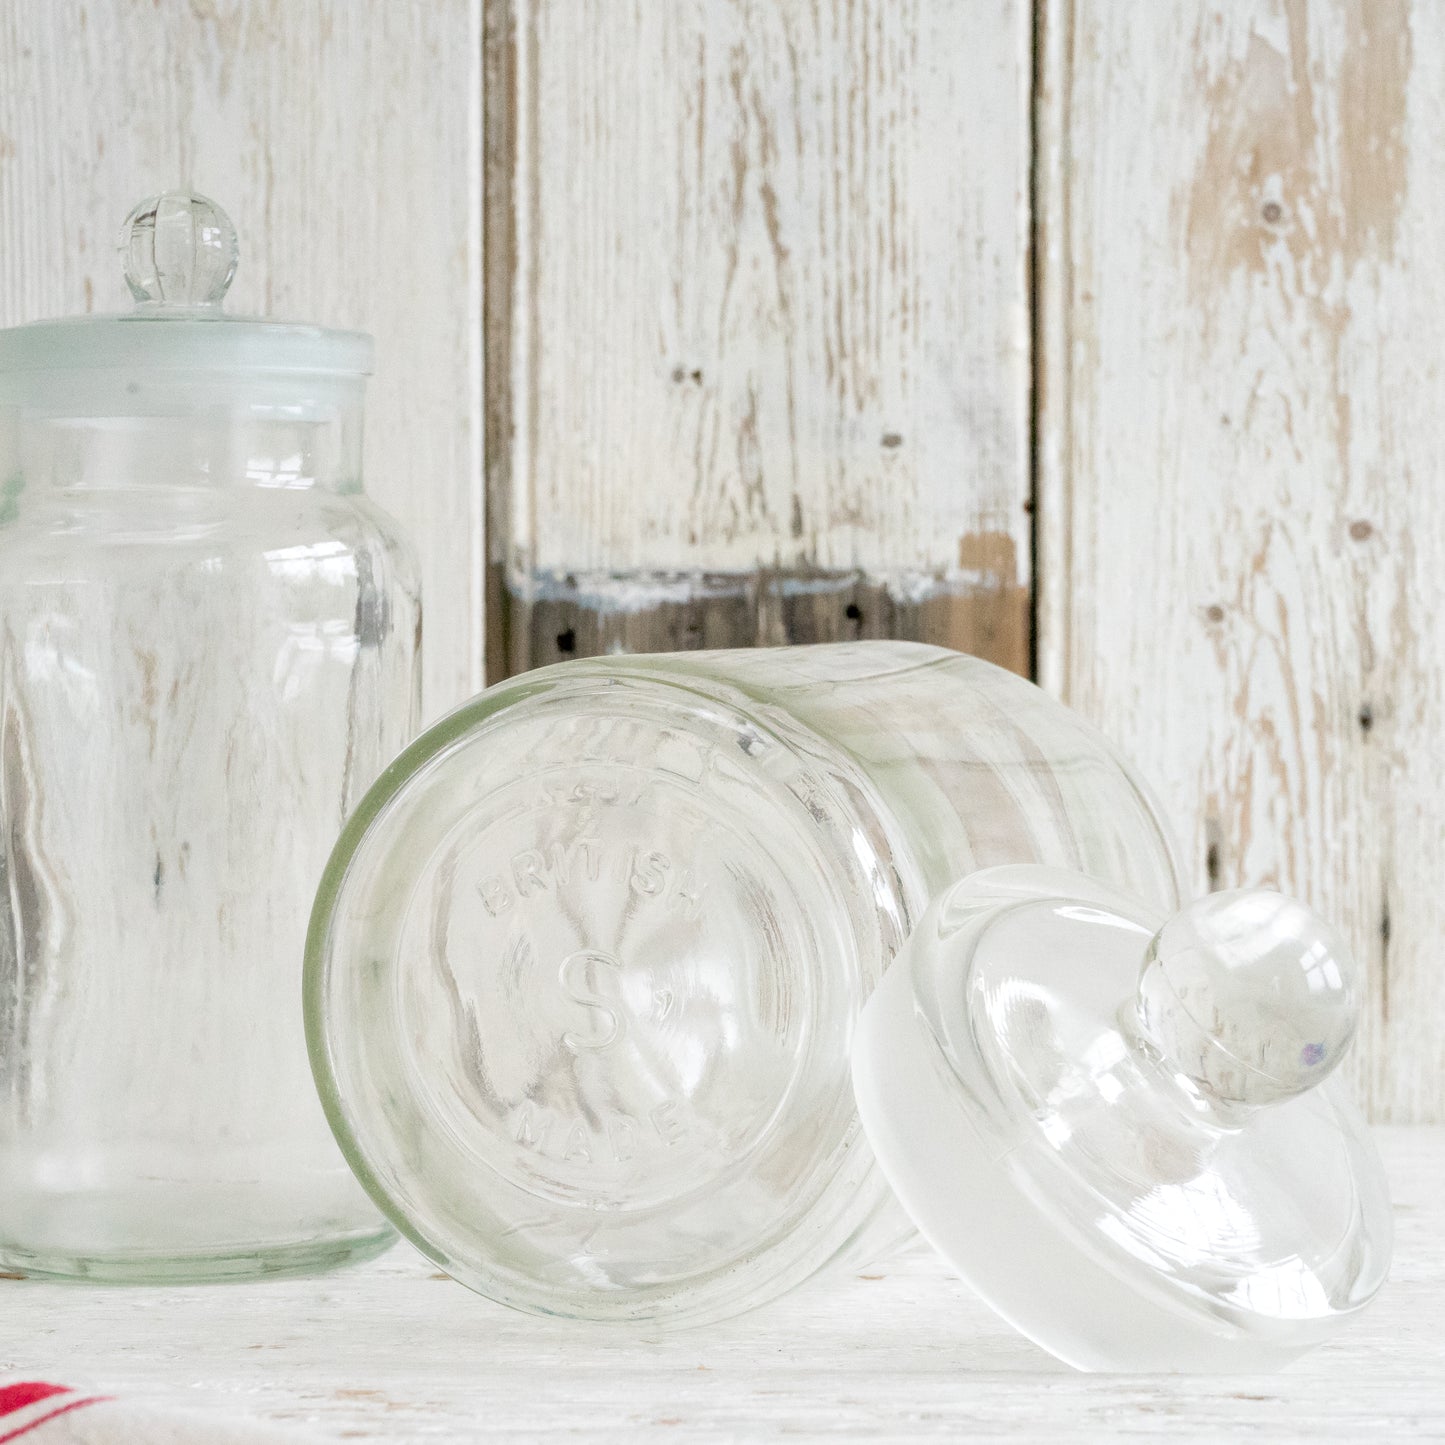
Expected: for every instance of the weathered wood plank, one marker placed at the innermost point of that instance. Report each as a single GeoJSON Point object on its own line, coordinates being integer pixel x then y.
{"type": "Point", "coordinates": [1242, 531]}
{"type": "Point", "coordinates": [343, 137]}
{"type": "Point", "coordinates": [757, 322]}
{"type": "Point", "coordinates": [581, 615]}
{"type": "Point", "coordinates": [395, 1352]}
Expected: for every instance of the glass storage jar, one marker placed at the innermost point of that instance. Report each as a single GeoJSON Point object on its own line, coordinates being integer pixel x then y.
{"type": "Point", "coordinates": [585, 966]}
{"type": "Point", "coordinates": [208, 649]}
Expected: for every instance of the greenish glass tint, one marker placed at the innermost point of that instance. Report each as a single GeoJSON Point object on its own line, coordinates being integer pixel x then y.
{"type": "Point", "coordinates": [179, 254]}
{"type": "Point", "coordinates": [585, 966]}
{"type": "Point", "coordinates": [208, 650]}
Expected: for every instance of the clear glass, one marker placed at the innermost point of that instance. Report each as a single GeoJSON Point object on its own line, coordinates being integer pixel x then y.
{"type": "Point", "coordinates": [1119, 1128]}
{"type": "Point", "coordinates": [586, 964]}
{"type": "Point", "coordinates": [208, 650]}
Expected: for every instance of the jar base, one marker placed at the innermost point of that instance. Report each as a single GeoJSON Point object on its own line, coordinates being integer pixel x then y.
{"type": "Point", "coordinates": [592, 1058]}
{"type": "Point", "coordinates": [277, 1261]}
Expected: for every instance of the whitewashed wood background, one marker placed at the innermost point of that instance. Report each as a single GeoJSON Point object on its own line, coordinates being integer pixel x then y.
{"type": "Point", "coordinates": [343, 137]}
{"type": "Point", "coordinates": [1095, 336]}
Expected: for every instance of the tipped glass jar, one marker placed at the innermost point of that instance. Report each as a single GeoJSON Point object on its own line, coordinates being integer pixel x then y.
{"type": "Point", "coordinates": [586, 965]}
{"type": "Point", "coordinates": [208, 650]}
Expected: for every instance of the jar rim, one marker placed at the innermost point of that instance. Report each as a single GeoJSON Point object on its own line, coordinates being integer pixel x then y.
{"type": "Point", "coordinates": [196, 340]}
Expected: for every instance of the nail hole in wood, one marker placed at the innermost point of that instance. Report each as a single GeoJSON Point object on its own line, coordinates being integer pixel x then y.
{"type": "Point", "coordinates": [891, 439]}
{"type": "Point", "coordinates": [1213, 852]}
{"type": "Point", "coordinates": [1385, 958]}
{"type": "Point", "coordinates": [1367, 717]}
{"type": "Point", "coordinates": [567, 641]}
{"type": "Point", "coordinates": [1361, 531]}
{"type": "Point", "coordinates": [1272, 212]}
{"type": "Point", "coordinates": [853, 612]}
{"type": "Point", "coordinates": [1214, 612]}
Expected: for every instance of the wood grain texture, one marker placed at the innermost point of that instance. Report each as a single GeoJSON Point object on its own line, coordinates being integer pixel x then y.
{"type": "Point", "coordinates": [1242, 527]}
{"type": "Point", "coordinates": [343, 137]}
{"type": "Point", "coordinates": [552, 619]}
{"type": "Point", "coordinates": [395, 1351]}
{"type": "Point", "coordinates": [757, 309]}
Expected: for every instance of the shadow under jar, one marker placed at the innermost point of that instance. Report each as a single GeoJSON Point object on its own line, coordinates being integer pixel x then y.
{"type": "Point", "coordinates": [585, 968]}
{"type": "Point", "coordinates": [208, 650]}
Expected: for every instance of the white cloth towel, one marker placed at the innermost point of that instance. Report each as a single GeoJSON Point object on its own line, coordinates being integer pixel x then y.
{"type": "Point", "coordinates": [35, 1412]}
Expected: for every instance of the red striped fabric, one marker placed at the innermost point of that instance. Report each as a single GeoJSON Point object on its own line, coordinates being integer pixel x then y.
{"type": "Point", "coordinates": [21, 1397]}
{"type": "Point", "coordinates": [27, 1392]}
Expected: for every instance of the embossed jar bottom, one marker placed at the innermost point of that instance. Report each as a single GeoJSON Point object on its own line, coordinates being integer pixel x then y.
{"type": "Point", "coordinates": [584, 970]}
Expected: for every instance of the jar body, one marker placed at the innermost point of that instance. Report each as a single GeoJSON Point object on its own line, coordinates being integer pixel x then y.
{"type": "Point", "coordinates": [584, 969]}
{"type": "Point", "coordinates": [208, 650]}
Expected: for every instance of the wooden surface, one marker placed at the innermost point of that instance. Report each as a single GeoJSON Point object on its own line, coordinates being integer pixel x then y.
{"type": "Point", "coordinates": [757, 308]}
{"type": "Point", "coordinates": [713, 296]}
{"type": "Point", "coordinates": [758, 313]}
{"type": "Point", "coordinates": [1243, 539]}
{"type": "Point", "coordinates": [392, 1352]}
{"type": "Point", "coordinates": [343, 138]}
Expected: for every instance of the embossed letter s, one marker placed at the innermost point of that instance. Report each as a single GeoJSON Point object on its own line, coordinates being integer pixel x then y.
{"type": "Point", "coordinates": [579, 975]}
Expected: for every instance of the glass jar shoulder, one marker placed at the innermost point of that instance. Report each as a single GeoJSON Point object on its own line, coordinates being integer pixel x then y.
{"type": "Point", "coordinates": [979, 765]}
{"type": "Point", "coordinates": [106, 535]}
{"type": "Point", "coordinates": [878, 699]}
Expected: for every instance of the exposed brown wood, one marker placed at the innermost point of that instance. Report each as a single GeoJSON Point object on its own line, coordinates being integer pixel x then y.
{"type": "Point", "coordinates": [1241, 534]}
{"type": "Point", "coordinates": [499, 243]}
{"type": "Point", "coordinates": [575, 617]}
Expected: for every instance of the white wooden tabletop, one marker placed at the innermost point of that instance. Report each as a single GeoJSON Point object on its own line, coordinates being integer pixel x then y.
{"type": "Point", "coordinates": [394, 1351]}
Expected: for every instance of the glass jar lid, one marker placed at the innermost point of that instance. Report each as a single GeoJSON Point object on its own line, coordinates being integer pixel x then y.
{"type": "Point", "coordinates": [179, 253]}
{"type": "Point", "coordinates": [1119, 1131]}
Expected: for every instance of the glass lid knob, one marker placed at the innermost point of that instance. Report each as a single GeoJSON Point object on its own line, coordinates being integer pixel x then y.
{"type": "Point", "coordinates": [1250, 996]}
{"type": "Point", "coordinates": [179, 251]}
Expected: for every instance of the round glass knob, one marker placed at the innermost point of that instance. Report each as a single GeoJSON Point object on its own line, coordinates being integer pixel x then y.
{"type": "Point", "coordinates": [179, 250]}
{"type": "Point", "coordinates": [1250, 996]}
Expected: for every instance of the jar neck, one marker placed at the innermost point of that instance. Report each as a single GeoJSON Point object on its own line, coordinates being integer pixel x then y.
{"type": "Point", "coordinates": [216, 443]}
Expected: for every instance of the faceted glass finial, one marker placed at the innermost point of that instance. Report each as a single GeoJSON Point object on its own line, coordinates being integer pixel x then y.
{"type": "Point", "coordinates": [179, 250]}
{"type": "Point", "coordinates": [1250, 995]}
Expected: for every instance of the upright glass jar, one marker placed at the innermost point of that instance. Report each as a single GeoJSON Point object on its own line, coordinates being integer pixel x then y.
{"type": "Point", "coordinates": [208, 650]}
{"type": "Point", "coordinates": [585, 967]}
